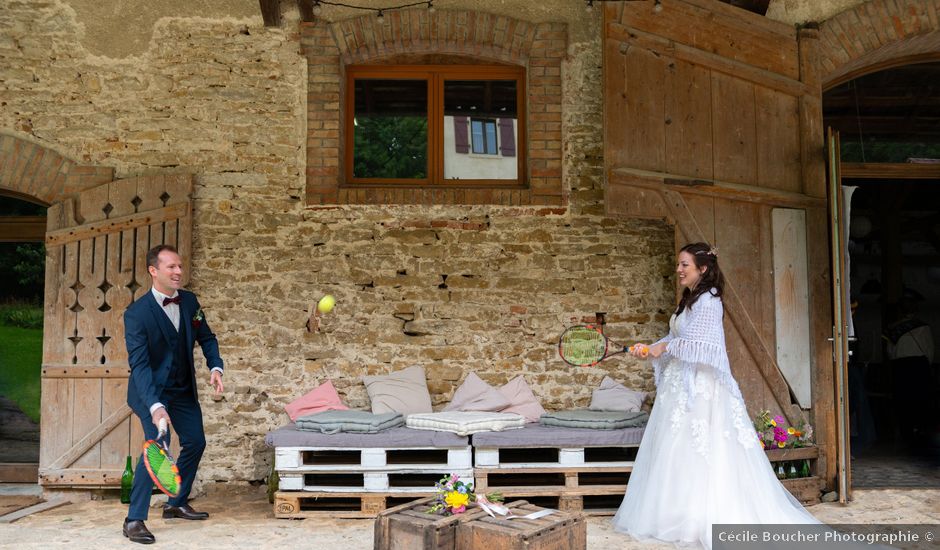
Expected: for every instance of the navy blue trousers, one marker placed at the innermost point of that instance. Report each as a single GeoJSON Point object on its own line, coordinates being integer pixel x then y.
{"type": "Point", "coordinates": [186, 416]}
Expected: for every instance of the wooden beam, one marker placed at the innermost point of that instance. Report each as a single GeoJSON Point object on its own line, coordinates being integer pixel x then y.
{"type": "Point", "coordinates": [713, 188]}
{"type": "Point", "coordinates": [22, 229]}
{"type": "Point", "coordinates": [85, 371]}
{"type": "Point", "coordinates": [306, 10]}
{"type": "Point", "coordinates": [271, 12]}
{"type": "Point", "coordinates": [18, 472]}
{"type": "Point", "coordinates": [739, 70]}
{"type": "Point", "coordinates": [891, 170]}
{"type": "Point", "coordinates": [41, 507]}
{"type": "Point", "coordinates": [90, 440]}
{"type": "Point", "coordinates": [115, 225]}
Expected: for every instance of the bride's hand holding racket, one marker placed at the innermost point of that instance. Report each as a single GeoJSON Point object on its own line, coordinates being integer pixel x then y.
{"type": "Point", "coordinates": [641, 351]}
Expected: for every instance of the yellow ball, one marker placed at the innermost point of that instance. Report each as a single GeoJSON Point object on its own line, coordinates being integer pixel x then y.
{"type": "Point", "coordinates": [326, 303]}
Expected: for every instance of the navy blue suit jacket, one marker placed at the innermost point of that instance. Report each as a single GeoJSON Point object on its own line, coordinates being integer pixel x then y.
{"type": "Point", "coordinates": [152, 341]}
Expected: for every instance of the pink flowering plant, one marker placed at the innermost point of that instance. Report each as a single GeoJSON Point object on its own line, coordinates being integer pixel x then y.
{"type": "Point", "coordinates": [773, 432]}
{"type": "Point", "coordinates": [454, 496]}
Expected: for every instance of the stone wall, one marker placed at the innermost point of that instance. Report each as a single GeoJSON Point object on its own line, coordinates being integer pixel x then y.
{"type": "Point", "coordinates": [451, 288]}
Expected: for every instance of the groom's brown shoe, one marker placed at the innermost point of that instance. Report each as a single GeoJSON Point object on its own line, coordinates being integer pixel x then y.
{"type": "Point", "coordinates": [138, 532]}
{"type": "Point", "coordinates": [185, 512]}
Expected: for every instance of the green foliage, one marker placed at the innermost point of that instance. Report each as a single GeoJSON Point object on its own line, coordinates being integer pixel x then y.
{"type": "Point", "coordinates": [21, 315]}
{"type": "Point", "coordinates": [21, 367]}
{"type": "Point", "coordinates": [885, 151]}
{"type": "Point", "coordinates": [22, 269]}
{"type": "Point", "coordinates": [391, 147]}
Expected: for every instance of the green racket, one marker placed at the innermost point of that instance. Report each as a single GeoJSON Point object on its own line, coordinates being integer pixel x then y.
{"type": "Point", "coordinates": [586, 346]}
{"type": "Point", "coordinates": [160, 465]}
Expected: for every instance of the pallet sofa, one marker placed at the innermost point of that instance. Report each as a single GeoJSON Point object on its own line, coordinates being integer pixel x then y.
{"type": "Point", "coordinates": [360, 475]}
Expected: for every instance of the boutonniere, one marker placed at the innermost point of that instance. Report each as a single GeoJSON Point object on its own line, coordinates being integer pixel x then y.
{"type": "Point", "coordinates": [198, 318]}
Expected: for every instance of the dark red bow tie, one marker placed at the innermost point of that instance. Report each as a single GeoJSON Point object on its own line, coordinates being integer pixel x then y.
{"type": "Point", "coordinates": [168, 301]}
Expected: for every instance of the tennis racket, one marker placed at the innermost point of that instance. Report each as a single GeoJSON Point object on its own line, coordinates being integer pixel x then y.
{"type": "Point", "coordinates": [159, 463]}
{"type": "Point", "coordinates": [586, 346]}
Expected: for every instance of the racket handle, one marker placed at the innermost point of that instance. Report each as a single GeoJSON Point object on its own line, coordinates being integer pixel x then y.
{"type": "Point", "coordinates": [162, 428]}
{"type": "Point", "coordinates": [644, 349]}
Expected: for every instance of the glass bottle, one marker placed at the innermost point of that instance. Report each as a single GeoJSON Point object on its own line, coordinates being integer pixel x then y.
{"type": "Point", "coordinates": [127, 481]}
{"type": "Point", "coordinates": [805, 471]}
{"type": "Point", "coordinates": [781, 474]}
{"type": "Point", "coordinates": [792, 473]}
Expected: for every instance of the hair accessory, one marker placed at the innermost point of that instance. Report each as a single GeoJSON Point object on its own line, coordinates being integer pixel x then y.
{"type": "Point", "coordinates": [713, 251]}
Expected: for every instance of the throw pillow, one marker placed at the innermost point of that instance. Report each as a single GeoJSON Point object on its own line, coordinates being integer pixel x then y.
{"type": "Point", "coordinates": [613, 396]}
{"type": "Point", "coordinates": [405, 391]}
{"type": "Point", "coordinates": [322, 398]}
{"type": "Point", "coordinates": [521, 400]}
{"type": "Point", "coordinates": [476, 395]}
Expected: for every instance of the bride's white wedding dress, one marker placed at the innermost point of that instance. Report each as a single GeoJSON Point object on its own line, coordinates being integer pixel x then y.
{"type": "Point", "coordinates": [700, 462]}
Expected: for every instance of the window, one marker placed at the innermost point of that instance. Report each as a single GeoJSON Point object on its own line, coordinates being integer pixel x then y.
{"type": "Point", "coordinates": [435, 125]}
{"type": "Point", "coordinates": [483, 133]}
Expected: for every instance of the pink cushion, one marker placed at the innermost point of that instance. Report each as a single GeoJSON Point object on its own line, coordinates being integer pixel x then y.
{"type": "Point", "coordinates": [521, 400]}
{"type": "Point", "coordinates": [476, 395]}
{"type": "Point", "coordinates": [322, 398]}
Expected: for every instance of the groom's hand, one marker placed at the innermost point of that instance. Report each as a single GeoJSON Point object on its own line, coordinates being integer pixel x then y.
{"type": "Point", "coordinates": [215, 380]}
{"type": "Point", "coordinates": [158, 414]}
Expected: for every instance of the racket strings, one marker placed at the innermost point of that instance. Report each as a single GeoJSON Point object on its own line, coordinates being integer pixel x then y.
{"type": "Point", "coordinates": [583, 346]}
{"type": "Point", "coordinates": [165, 472]}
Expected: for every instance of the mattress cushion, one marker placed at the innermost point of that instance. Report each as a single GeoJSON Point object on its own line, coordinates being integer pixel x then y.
{"type": "Point", "coordinates": [465, 422]}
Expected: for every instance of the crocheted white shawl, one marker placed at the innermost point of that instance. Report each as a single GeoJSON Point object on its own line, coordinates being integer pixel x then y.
{"type": "Point", "coordinates": [698, 339]}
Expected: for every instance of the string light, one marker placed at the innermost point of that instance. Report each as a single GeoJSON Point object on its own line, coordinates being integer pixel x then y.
{"type": "Point", "coordinates": [379, 12]}
{"type": "Point", "coordinates": [589, 4]}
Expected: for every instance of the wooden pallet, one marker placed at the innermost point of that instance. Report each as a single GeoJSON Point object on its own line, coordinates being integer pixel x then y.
{"type": "Point", "coordinates": [555, 457]}
{"type": "Point", "coordinates": [353, 481]}
{"type": "Point", "coordinates": [305, 504]}
{"type": "Point", "coordinates": [322, 459]}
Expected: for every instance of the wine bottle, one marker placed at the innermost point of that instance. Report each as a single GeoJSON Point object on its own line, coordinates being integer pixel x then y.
{"type": "Point", "coordinates": [127, 481]}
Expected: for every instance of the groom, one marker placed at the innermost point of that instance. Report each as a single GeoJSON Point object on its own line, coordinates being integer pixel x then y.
{"type": "Point", "coordinates": [159, 330]}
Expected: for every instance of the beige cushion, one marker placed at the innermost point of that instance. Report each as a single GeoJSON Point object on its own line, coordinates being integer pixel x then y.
{"type": "Point", "coordinates": [476, 395]}
{"type": "Point", "coordinates": [521, 400]}
{"type": "Point", "coordinates": [613, 396]}
{"type": "Point", "coordinates": [405, 391]}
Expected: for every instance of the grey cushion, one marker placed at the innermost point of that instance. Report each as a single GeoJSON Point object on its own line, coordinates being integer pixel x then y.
{"type": "Point", "coordinates": [536, 435]}
{"type": "Point", "coordinates": [392, 438]}
{"type": "Point", "coordinates": [596, 420]}
{"type": "Point", "coordinates": [331, 422]}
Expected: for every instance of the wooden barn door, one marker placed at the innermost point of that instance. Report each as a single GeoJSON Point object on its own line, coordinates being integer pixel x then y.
{"type": "Point", "coordinates": [713, 122]}
{"type": "Point", "coordinates": [96, 248]}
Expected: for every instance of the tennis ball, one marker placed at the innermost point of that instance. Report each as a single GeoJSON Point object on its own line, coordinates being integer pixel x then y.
{"type": "Point", "coordinates": [326, 303]}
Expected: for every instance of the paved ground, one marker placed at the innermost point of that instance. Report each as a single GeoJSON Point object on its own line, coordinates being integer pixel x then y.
{"type": "Point", "coordinates": [242, 518]}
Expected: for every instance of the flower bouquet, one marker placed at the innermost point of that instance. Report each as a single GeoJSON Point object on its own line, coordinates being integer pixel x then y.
{"type": "Point", "coordinates": [773, 432]}
{"type": "Point", "coordinates": [454, 496]}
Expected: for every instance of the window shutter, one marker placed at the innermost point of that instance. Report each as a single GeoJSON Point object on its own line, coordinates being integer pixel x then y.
{"type": "Point", "coordinates": [507, 138]}
{"type": "Point", "coordinates": [461, 139]}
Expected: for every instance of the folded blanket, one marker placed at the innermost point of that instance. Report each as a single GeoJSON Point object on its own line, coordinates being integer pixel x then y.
{"type": "Point", "coordinates": [465, 422]}
{"type": "Point", "coordinates": [331, 422]}
{"type": "Point", "coordinates": [595, 420]}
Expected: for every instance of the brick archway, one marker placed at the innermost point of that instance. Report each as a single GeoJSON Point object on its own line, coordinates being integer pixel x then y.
{"type": "Point", "coordinates": [878, 35]}
{"type": "Point", "coordinates": [34, 172]}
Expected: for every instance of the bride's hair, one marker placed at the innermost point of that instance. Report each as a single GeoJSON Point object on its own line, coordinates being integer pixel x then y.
{"type": "Point", "coordinates": [705, 257]}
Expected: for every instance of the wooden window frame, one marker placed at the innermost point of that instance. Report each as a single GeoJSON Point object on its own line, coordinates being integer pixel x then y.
{"type": "Point", "coordinates": [436, 75]}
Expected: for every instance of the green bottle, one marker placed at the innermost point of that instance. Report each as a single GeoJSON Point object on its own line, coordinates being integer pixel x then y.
{"type": "Point", "coordinates": [804, 472]}
{"type": "Point", "coordinates": [127, 481]}
{"type": "Point", "coordinates": [780, 473]}
{"type": "Point", "coordinates": [792, 474]}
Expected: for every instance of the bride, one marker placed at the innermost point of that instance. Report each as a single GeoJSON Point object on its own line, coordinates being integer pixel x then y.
{"type": "Point", "coordinates": [700, 462]}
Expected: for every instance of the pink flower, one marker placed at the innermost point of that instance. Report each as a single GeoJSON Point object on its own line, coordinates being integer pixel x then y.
{"type": "Point", "coordinates": [458, 510]}
{"type": "Point", "coordinates": [780, 435]}
{"type": "Point", "coordinates": [779, 419]}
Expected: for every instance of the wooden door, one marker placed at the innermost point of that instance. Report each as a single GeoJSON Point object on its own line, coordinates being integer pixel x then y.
{"type": "Point", "coordinates": [713, 122]}
{"type": "Point", "coordinates": [840, 334]}
{"type": "Point", "coordinates": [96, 247]}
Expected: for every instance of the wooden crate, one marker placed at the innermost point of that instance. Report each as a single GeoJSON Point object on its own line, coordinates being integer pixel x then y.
{"type": "Point", "coordinates": [558, 531]}
{"type": "Point", "coordinates": [357, 481]}
{"type": "Point", "coordinates": [804, 489]}
{"type": "Point", "coordinates": [307, 504]}
{"type": "Point", "coordinates": [410, 526]}
{"type": "Point", "coordinates": [307, 459]}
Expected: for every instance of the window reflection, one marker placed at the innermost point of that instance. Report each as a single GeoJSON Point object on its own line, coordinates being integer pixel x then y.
{"type": "Point", "coordinates": [390, 129]}
{"type": "Point", "coordinates": [480, 129]}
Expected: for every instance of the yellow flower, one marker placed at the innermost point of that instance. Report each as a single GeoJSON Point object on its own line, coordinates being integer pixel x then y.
{"type": "Point", "coordinates": [781, 444]}
{"type": "Point", "coordinates": [455, 499]}
{"type": "Point", "coordinates": [791, 431]}
{"type": "Point", "coordinates": [773, 422]}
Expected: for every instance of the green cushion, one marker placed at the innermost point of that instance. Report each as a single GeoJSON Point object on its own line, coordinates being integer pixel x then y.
{"type": "Point", "coordinates": [595, 420]}
{"type": "Point", "coordinates": [331, 422]}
